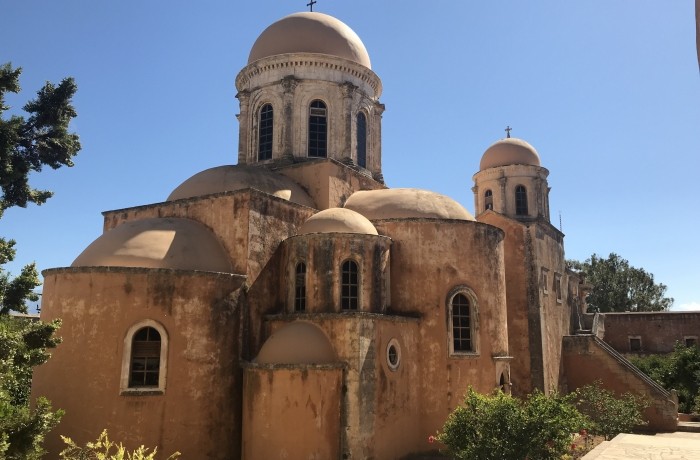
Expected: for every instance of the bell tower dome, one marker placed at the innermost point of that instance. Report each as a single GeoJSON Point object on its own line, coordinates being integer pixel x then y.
{"type": "Point", "coordinates": [511, 181]}
{"type": "Point", "coordinates": [308, 91]}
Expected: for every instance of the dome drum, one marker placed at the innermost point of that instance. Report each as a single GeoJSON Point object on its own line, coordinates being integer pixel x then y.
{"type": "Point", "coordinates": [319, 266]}
{"type": "Point", "coordinates": [289, 96]}
{"type": "Point", "coordinates": [518, 191]}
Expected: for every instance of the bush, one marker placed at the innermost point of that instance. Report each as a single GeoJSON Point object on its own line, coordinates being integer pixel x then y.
{"type": "Point", "coordinates": [610, 415]}
{"type": "Point", "coordinates": [104, 449]}
{"type": "Point", "coordinates": [501, 427]}
{"type": "Point", "coordinates": [679, 370]}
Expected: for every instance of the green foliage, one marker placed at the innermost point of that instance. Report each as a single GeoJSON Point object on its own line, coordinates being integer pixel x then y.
{"type": "Point", "coordinates": [610, 415]}
{"type": "Point", "coordinates": [23, 345]}
{"type": "Point", "coordinates": [617, 286]}
{"type": "Point", "coordinates": [26, 145]}
{"type": "Point", "coordinates": [679, 370]}
{"type": "Point", "coordinates": [22, 429]}
{"type": "Point", "coordinates": [506, 428]}
{"type": "Point", "coordinates": [104, 449]}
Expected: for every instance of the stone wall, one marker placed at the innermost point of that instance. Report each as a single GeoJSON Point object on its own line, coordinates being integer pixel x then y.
{"type": "Point", "coordinates": [658, 332]}
{"type": "Point", "coordinates": [199, 395]}
{"type": "Point", "coordinates": [588, 359]}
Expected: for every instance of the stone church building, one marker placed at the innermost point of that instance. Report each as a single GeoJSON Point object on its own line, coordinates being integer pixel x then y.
{"type": "Point", "coordinates": [293, 306]}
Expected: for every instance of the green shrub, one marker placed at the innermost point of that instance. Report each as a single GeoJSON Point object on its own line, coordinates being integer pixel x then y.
{"type": "Point", "coordinates": [610, 415]}
{"type": "Point", "coordinates": [501, 427]}
{"type": "Point", "coordinates": [104, 449]}
{"type": "Point", "coordinates": [679, 370]}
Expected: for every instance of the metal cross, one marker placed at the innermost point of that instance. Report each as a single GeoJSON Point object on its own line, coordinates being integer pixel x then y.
{"type": "Point", "coordinates": [508, 130]}
{"type": "Point", "coordinates": [311, 5]}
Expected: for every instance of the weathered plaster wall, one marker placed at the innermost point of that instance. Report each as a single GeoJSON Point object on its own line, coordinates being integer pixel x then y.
{"type": "Point", "coordinates": [291, 412]}
{"type": "Point", "coordinates": [555, 314]}
{"type": "Point", "coordinates": [659, 331]}
{"type": "Point", "coordinates": [524, 335]}
{"type": "Point", "coordinates": [324, 254]}
{"type": "Point", "coordinates": [328, 182]}
{"type": "Point", "coordinates": [250, 224]}
{"type": "Point", "coordinates": [380, 415]}
{"type": "Point", "coordinates": [429, 259]}
{"type": "Point", "coordinates": [198, 412]}
{"type": "Point", "coordinates": [588, 359]}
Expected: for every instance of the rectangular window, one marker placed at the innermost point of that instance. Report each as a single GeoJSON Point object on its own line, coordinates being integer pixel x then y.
{"type": "Point", "coordinates": [557, 287]}
{"type": "Point", "coordinates": [544, 280]}
{"type": "Point", "coordinates": [635, 344]}
{"type": "Point", "coordinates": [690, 341]}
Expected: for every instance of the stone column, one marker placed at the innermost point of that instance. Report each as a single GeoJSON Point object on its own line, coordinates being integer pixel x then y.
{"type": "Point", "coordinates": [502, 182]}
{"type": "Point", "coordinates": [539, 196]}
{"type": "Point", "coordinates": [477, 210]}
{"type": "Point", "coordinates": [348, 90]}
{"type": "Point", "coordinates": [243, 127]}
{"type": "Point", "coordinates": [374, 152]}
{"type": "Point", "coordinates": [289, 83]}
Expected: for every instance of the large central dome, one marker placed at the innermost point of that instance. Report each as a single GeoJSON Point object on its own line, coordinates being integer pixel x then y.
{"type": "Point", "coordinates": [310, 32]}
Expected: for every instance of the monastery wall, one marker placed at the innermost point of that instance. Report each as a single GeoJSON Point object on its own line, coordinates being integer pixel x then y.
{"type": "Point", "coordinates": [328, 182]}
{"type": "Point", "coordinates": [249, 224]}
{"type": "Point", "coordinates": [431, 259]}
{"type": "Point", "coordinates": [102, 304]}
{"type": "Point", "coordinates": [380, 406]}
{"type": "Point", "coordinates": [587, 359]}
{"type": "Point", "coordinates": [521, 321]}
{"type": "Point", "coordinates": [658, 332]}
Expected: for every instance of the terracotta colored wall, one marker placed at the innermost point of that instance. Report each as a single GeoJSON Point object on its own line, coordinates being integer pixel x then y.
{"type": "Point", "coordinates": [587, 359]}
{"type": "Point", "coordinates": [659, 331]}
{"type": "Point", "coordinates": [522, 368]}
{"type": "Point", "coordinates": [250, 224]}
{"type": "Point", "coordinates": [291, 412]}
{"type": "Point", "coordinates": [328, 182]}
{"type": "Point", "coordinates": [380, 407]}
{"type": "Point", "coordinates": [555, 315]}
{"type": "Point", "coordinates": [197, 413]}
{"type": "Point", "coordinates": [429, 258]}
{"type": "Point", "coordinates": [324, 255]}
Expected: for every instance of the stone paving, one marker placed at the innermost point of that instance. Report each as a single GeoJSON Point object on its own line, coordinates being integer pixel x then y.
{"type": "Point", "coordinates": [663, 446]}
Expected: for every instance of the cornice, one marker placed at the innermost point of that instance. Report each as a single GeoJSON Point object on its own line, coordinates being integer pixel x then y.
{"type": "Point", "coordinates": [309, 60]}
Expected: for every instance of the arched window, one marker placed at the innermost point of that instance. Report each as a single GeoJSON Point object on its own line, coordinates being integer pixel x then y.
{"type": "Point", "coordinates": [300, 287]}
{"type": "Point", "coordinates": [144, 362]}
{"type": "Point", "coordinates": [265, 133]}
{"type": "Point", "coordinates": [462, 322]}
{"type": "Point", "coordinates": [361, 140]}
{"type": "Point", "coordinates": [488, 200]}
{"type": "Point", "coordinates": [520, 200]}
{"type": "Point", "coordinates": [145, 358]}
{"type": "Point", "coordinates": [318, 129]}
{"type": "Point", "coordinates": [349, 286]}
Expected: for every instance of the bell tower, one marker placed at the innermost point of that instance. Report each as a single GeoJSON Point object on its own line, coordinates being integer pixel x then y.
{"type": "Point", "coordinates": [308, 91]}
{"type": "Point", "coordinates": [511, 181]}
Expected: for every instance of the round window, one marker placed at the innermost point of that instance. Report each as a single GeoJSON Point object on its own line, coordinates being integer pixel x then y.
{"type": "Point", "coordinates": [393, 354]}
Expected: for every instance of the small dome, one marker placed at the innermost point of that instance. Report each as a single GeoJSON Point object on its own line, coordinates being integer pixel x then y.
{"type": "Point", "coordinates": [402, 203]}
{"type": "Point", "coordinates": [338, 220]}
{"type": "Point", "coordinates": [297, 343]}
{"type": "Point", "coordinates": [509, 151]}
{"type": "Point", "coordinates": [229, 178]}
{"type": "Point", "coordinates": [157, 243]}
{"type": "Point", "coordinates": [310, 33]}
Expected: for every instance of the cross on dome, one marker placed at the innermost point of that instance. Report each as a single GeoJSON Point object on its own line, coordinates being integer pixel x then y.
{"type": "Point", "coordinates": [508, 130]}
{"type": "Point", "coordinates": [311, 5]}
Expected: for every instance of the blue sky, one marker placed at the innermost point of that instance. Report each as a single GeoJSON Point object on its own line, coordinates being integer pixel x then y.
{"type": "Point", "coordinates": [607, 91]}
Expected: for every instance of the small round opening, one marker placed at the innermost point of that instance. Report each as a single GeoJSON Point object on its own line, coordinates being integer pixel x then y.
{"type": "Point", "coordinates": [393, 354]}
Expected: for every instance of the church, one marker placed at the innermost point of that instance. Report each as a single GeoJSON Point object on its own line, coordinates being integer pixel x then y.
{"type": "Point", "coordinates": [294, 306]}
